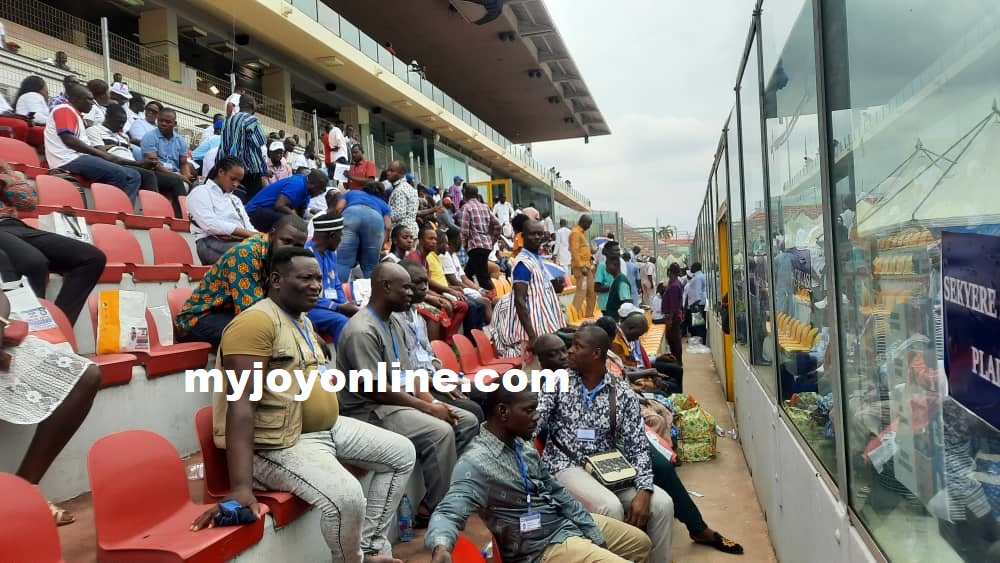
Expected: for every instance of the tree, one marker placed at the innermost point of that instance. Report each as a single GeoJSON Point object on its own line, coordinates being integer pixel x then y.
{"type": "Point", "coordinates": [666, 233]}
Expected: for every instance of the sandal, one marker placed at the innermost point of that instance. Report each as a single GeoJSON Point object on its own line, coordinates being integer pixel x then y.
{"type": "Point", "coordinates": [722, 544]}
{"type": "Point", "coordinates": [61, 515]}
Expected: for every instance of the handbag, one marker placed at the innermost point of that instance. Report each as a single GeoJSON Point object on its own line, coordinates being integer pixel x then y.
{"type": "Point", "coordinates": [609, 468]}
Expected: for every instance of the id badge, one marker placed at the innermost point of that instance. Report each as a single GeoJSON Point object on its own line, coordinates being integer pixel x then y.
{"type": "Point", "coordinates": [586, 435]}
{"type": "Point", "coordinates": [531, 521]}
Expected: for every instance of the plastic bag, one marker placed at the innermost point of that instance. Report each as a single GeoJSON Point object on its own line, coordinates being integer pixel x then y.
{"type": "Point", "coordinates": [696, 347]}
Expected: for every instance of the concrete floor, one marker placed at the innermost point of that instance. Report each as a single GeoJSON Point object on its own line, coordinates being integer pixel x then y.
{"type": "Point", "coordinates": [729, 505]}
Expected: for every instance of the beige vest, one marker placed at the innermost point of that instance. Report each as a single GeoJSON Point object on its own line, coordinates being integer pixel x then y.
{"type": "Point", "coordinates": [277, 416]}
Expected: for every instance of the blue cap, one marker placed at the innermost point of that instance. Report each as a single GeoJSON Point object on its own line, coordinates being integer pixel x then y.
{"type": "Point", "coordinates": [409, 176]}
{"type": "Point", "coordinates": [432, 190]}
{"type": "Point", "coordinates": [457, 179]}
{"type": "Point", "coordinates": [218, 123]}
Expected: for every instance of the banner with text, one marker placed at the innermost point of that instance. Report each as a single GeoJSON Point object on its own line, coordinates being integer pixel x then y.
{"type": "Point", "coordinates": [970, 278]}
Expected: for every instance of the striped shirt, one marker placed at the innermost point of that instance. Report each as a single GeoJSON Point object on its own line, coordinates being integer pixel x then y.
{"type": "Point", "coordinates": [242, 137]}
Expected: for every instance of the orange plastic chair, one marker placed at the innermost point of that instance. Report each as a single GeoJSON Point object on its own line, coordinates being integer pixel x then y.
{"type": "Point", "coordinates": [466, 552]}
{"type": "Point", "coordinates": [469, 359]}
{"type": "Point", "coordinates": [110, 199]}
{"type": "Point", "coordinates": [125, 257]}
{"type": "Point", "coordinates": [29, 532]}
{"type": "Point", "coordinates": [487, 355]}
{"type": "Point", "coordinates": [176, 298]}
{"type": "Point", "coordinates": [155, 525]}
{"type": "Point", "coordinates": [444, 353]}
{"type": "Point", "coordinates": [56, 194]}
{"type": "Point", "coordinates": [284, 507]}
{"type": "Point", "coordinates": [171, 248]}
{"type": "Point", "coordinates": [21, 157]}
{"type": "Point", "coordinates": [156, 205]}
{"type": "Point", "coordinates": [116, 369]}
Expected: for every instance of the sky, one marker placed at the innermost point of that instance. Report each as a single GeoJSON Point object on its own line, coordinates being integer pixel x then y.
{"type": "Point", "coordinates": [662, 73]}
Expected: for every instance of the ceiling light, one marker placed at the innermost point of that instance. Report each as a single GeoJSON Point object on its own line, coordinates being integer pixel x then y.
{"type": "Point", "coordinates": [214, 90]}
{"type": "Point", "coordinates": [257, 64]}
{"type": "Point", "coordinates": [330, 61]}
{"type": "Point", "coordinates": [222, 47]}
{"type": "Point", "coordinates": [191, 32]}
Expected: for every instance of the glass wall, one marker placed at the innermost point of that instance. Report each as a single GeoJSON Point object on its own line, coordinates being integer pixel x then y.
{"type": "Point", "coordinates": [757, 261]}
{"type": "Point", "coordinates": [915, 135]}
{"type": "Point", "coordinates": [738, 280]}
{"type": "Point", "coordinates": [796, 222]}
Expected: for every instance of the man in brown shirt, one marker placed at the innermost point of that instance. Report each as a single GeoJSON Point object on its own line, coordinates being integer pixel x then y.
{"type": "Point", "coordinates": [585, 299]}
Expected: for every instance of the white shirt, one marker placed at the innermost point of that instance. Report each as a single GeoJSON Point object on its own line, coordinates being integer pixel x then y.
{"type": "Point", "coordinates": [139, 129]}
{"type": "Point", "coordinates": [296, 161]}
{"type": "Point", "coordinates": [563, 255]}
{"type": "Point", "coordinates": [34, 102]}
{"type": "Point", "coordinates": [235, 100]}
{"type": "Point", "coordinates": [4, 104]}
{"type": "Point", "coordinates": [216, 213]}
{"type": "Point", "coordinates": [503, 211]}
{"type": "Point", "coordinates": [336, 139]}
{"type": "Point", "coordinates": [96, 114]}
{"type": "Point", "coordinates": [99, 136]}
{"type": "Point", "coordinates": [549, 227]}
{"type": "Point", "coordinates": [56, 152]}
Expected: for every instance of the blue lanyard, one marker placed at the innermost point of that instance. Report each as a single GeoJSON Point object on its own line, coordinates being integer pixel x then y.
{"type": "Point", "coordinates": [305, 336]}
{"type": "Point", "coordinates": [588, 397]}
{"type": "Point", "coordinates": [524, 471]}
{"type": "Point", "coordinates": [395, 349]}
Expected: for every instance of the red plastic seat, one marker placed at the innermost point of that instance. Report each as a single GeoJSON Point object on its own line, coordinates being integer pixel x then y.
{"type": "Point", "coordinates": [125, 257]}
{"type": "Point", "coordinates": [176, 298]}
{"type": "Point", "coordinates": [21, 156]}
{"type": "Point", "coordinates": [487, 355]}
{"type": "Point", "coordinates": [116, 369]}
{"type": "Point", "coordinates": [142, 508]}
{"type": "Point", "coordinates": [469, 358]}
{"type": "Point", "coordinates": [156, 205]}
{"type": "Point", "coordinates": [31, 222]}
{"type": "Point", "coordinates": [444, 353]}
{"type": "Point", "coordinates": [465, 551]}
{"type": "Point", "coordinates": [56, 194]}
{"type": "Point", "coordinates": [284, 507]}
{"type": "Point", "coordinates": [162, 360]}
{"type": "Point", "coordinates": [171, 248]}
{"type": "Point", "coordinates": [110, 199]}
{"type": "Point", "coordinates": [183, 201]}
{"type": "Point", "coordinates": [29, 532]}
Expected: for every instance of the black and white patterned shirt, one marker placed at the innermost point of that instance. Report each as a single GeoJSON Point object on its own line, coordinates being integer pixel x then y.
{"type": "Point", "coordinates": [565, 413]}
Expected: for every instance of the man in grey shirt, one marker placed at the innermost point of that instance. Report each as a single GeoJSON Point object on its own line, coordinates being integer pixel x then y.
{"type": "Point", "coordinates": [438, 431]}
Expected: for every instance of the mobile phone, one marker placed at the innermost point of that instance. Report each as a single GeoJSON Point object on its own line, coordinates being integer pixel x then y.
{"type": "Point", "coordinates": [232, 513]}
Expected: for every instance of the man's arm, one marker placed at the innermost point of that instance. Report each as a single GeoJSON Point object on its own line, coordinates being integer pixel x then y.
{"type": "Point", "coordinates": [284, 205]}
{"type": "Point", "coordinates": [467, 493]}
{"type": "Point", "coordinates": [75, 143]}
{"type": "Point", "coordinates": [521, 308]}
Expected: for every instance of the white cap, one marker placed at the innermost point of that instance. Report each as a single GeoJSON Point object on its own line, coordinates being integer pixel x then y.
{"type": "Point", "coordinates": [276, 146]}
{"type": "Point", "coordinates": [121, 89]}
{"type": "Point", "coordinates": [627, 309]}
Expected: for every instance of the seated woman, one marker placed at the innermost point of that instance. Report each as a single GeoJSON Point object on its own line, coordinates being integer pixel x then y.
{"type": "Point", "coordinates": [452, 302]}
{"type": "Point", "coordinates": [44, 385]}
{"type": "Point", "coordinates": [32, 100]}
{"type": "Point", "coordinates": [29, 252]}
{"type": "Point", "coordinates": [219, 220]}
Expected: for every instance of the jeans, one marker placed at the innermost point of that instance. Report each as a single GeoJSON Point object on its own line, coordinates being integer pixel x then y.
{"type": "Point", "coordinates": [208, 329]}
{"type": "Point", "coordinates": [29, 252]}
{"type": "Point", "coordinates": [210, 248]}
{"type": "Point", "coordinates": [264, 218]}
{"type": "Point", "coordinates": [97, 169]}
{"type": "Point", "coordinates": [478, 268]}
{"type": "Point", "coordinates": [361, 241]}
{"type": "Point", "coordinates": [600, 500]}
{"type": "Point", "coordinates": [354, 521]}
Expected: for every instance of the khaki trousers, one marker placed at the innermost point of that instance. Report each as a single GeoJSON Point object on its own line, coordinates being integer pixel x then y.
{"type": "Point", "coordinates": [585, 298]}
{"type": "Point", "coordinates": [624, 543]}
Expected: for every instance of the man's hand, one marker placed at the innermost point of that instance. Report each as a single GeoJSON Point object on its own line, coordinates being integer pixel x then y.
{"type": "Point", "coordinates": [456, 394]}
{"type": "Point", "coordinates": [348, 309]}
{"type": "Point", "coordinates": [243, 496]}
{"type": "Point", "coordinates": [442, 411]}
{"type": "Point", "coordinates": [441, 555]}
{"type": "Point", "coordinates": [638, 510]}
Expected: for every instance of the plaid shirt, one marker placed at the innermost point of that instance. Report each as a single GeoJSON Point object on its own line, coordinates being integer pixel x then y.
{"type": "Point", "coordinates": [479, 225]}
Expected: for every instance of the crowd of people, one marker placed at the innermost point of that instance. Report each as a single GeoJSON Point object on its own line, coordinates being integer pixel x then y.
{"type": "Point", "coordinates": [285, 235]}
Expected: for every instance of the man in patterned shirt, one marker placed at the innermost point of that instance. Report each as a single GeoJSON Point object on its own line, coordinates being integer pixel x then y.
{"type": "Point", "coordinates": [404, 200]}
{"type": "Point", "coordinates": [530, 514]}
{"type": "Point", "coordinates": [579, 424]}
{"type": "Point", "coordinates": [236, 281]}
{"type": "Point", "coordinates": [243, 137]}
{"type": "Point", "coordinates": [480, 228]}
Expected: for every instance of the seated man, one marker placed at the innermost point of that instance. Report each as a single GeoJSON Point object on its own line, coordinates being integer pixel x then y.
{"type": "Point", "coordinates": [285, 197]}
{"type": "Point", "coordinates": [169, 151]}
{"type": "Point", "coordinates": [438, 431]}
{"type": "Point", "coordinates": [579, 424]}
{"type": "Point", "coordinates": [552, 355]}
{"type": "Point", "coordinates": [110, 136]}
{"type": "Point", "coordinates": [454, 301]}
{"type": "Point", "coordinates": [304, 456]}
{"type": "Point", "coordinates": [332, 311]}
{"type": "Point", "coordinates": [530, 514]}
{"type": "Point", "coordinates": [235, 282]}
{"type": "Point", "coordinates": [480, 307]}
{"type": "Point", "coordinates": [628, 346]}
{"type": "Point", "coordinates": [67, 146]}
{"type": "Point", "coordinates": [418, 342]}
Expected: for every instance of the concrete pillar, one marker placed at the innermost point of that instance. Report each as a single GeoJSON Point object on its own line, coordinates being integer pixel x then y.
{"type": "Point", "coordinates": [158, 33]}
{"type": "Point", "coordinates": [358, 117]}
{"type": "Point", "coordinates": [276, 84]}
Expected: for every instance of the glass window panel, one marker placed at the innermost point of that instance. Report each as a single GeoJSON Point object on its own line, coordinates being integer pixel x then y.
{"type": "Point", "coordinates": [307, 6]}
{"type": "Point", "coordinates": [369, 47]}
{"type": "Point", "coordinates": [796, 228]}
{"type": "Point", "coordinates": [915, 136]}
{"type": "Point", "coordinates": [329, 19]}
{"type": "Point", "coordinates": [737, 250]}
{"type": "Point", "coordinates": [385, 58]}
{"type": "Point", "coordinates": [350, 33]}
{"type": "Point", "coordinates": [757, 261]}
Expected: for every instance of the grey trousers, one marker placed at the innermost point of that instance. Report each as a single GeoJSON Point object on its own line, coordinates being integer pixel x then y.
{"type": "Point", "coordinates": [354, 521]}
{"type": "Point", "coordinates": [210, 249]}
{"type": "Point", "coordinates": [437, 442]}
{"type": "Point", "coordinates": [598, 499]}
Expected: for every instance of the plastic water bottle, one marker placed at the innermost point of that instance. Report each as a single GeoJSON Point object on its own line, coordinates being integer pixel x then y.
{"type": "Point", "coordinates": [405, 519]}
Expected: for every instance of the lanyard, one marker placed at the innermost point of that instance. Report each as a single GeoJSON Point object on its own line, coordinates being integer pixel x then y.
{"type": "Point", "coordinates": [524, 472]}
{"type": "Point", "coordinates": [395, 350]}
{"type": "Point", "coordinates": [305, 336]}
{"type": "Point", "coordinates": [588, 397]}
